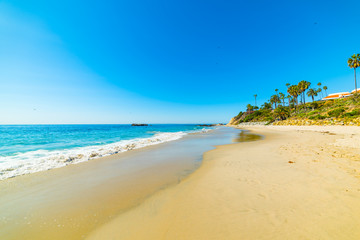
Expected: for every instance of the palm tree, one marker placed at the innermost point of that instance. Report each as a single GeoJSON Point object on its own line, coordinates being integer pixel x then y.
{"type": "Point", "coordinates": [307, 85]}
{"type": "Point", "coordinates": [319, 90]}
{"type": "Point", "coordinates": [282, 112]}
{"type": "Point", "coordinates": [255, 99]}
{"type": "Point", "coordinates": [303, 86]}
{"type": "Point", "coordinates": [282, 97]}
{"type": "Point", "coordinates": [289, 98]}
{"type": "Point", "coordinates": [249, 108]}
{"type": "Point", "coordinates": [354, 62]}
{"type": "Point", "coordinates": [276, 90]}
{"type": "Point", "coordinates": [300, 87]}
{"type": "Point", "coordinates": [293, 90]}
{"type": "Point", "coordinates": [274, 99]}
{"type": "Point", "coordinates": [312, 92]}
{"type": "Point", "coordinates": [266, 105]}
{"type": "Point", "coordinates": [271, 101]}
{"type": "Point", "coordinates": [293, 101]}
{"type": "Point", "coordinates": [287, 85]}
{"type": "Point", "coordinates": [325, 88]}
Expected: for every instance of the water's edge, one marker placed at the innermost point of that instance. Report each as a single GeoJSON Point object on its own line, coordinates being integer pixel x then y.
{"type": "Point", "coordinates": [43, 160]}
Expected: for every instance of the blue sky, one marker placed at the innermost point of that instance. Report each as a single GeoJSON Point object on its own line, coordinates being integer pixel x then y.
{"type": "Point", "coordinates": [165, 61]}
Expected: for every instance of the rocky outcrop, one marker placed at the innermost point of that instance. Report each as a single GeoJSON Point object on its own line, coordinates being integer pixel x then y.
{"type": "Point", "coordinates": [233, 121]}
{"type": "Point", "coordinates": [139, 124]}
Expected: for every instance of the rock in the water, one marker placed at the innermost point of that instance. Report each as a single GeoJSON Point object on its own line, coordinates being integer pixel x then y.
{"type": "Point", "coordinates": [139, 124]}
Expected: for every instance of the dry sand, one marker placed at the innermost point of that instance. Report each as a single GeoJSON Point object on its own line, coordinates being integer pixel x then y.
{"type": "Point", "coordinates": [298, 183]}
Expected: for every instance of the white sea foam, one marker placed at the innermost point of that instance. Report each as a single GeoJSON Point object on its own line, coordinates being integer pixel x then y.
{"type": "Point", "coordinates": [42, 160]}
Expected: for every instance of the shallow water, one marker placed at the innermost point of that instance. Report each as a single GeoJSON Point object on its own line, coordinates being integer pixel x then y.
{"type": "Point", "coordinates": [27, 149]}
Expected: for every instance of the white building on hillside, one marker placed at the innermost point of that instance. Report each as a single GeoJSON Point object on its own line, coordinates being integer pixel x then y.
{"type": "Point", "coordinates": [337, 95]}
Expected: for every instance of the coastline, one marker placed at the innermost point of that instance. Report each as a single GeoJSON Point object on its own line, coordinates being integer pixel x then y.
{"type": "Point", "coordinates": [297, 183]}
{"type": "Point", "coordinates": [69, 202]}
{"type": "Point", "coordinates": [37, 160]}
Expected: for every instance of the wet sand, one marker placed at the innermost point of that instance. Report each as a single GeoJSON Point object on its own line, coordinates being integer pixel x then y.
{"type": "Point", "coordinates": [297, 183]}
{"type": "Point", "coordinates": [70, 202]}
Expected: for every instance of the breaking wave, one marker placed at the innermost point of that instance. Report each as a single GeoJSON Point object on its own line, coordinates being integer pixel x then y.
{"type": "Point", "coordinates": [42, 160]}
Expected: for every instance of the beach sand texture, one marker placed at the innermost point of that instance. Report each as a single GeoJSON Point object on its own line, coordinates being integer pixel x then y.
{"type": "Point", "coordinates": [298, 183]}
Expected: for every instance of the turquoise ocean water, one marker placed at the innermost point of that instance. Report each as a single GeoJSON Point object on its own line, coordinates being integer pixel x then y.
{"type": "Point", "coordinates": [31, 148]}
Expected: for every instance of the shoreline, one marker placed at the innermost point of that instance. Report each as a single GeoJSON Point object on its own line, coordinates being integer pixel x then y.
{"type": "Point", "coordinates": [298, 183]}
{"type": "Point", "coordinates": [65, 157]}
{"type": "Point", "coordinates": [67, 203]}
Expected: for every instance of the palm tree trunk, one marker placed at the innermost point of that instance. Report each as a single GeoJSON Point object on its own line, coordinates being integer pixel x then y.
{"type": "Point", "coordinates": [313, 101]}
{"type": "Point", "coordinates": [355, 80]}
{"type": "Point", "coordinates": [302, 97]}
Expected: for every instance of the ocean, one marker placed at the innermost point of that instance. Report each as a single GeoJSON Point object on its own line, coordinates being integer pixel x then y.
{"type": "Point", "coordinates": [27, 149]}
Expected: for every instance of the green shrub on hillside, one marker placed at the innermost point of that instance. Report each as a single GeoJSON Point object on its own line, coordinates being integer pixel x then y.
{"type": "Point", "coordinates": [282, 112]}
{"type": "Point", "coordinates": [313, 112]}
{"type": "Point", "coordinates": [336, 112]}
{"type": "Point", "coordinates": [239, 115]}
{"type": "Point", "coordinates": [317, 117]}
{"type": "Point", "coordinates": [340, 102]}
{"type": "Point", "coordinates": [315, 105]}
{"type": "Point", "coordinates": [251, 116]}
{"type": "Point", "coordinates": [301, 115]}
{"type": "Point", "coordinates": [354, 113]}
{"type": "Point", "coordinates": [328, 103]}
{"type": "Point", "coordinates": [355, 99]}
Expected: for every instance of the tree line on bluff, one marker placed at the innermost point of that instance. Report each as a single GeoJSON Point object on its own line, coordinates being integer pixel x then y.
{"type": "Point", "coordinates": [277, 102]}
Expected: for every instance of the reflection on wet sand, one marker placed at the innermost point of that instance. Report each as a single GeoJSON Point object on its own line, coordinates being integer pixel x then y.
{"type": "Point", "coordinates": [246, 136]}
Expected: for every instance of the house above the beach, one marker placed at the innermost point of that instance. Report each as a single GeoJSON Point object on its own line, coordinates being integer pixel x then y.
{"type": "Point", "coordinates": [353, 91]}
{"type": "Point", "coordinates": [341, 94]}
{"type": "Point", "coordinates": [337, 95]}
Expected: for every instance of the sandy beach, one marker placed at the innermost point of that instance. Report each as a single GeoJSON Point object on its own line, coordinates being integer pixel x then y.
{"type": "Point", "coordinates": [294, 183]}
{"type": "Point", "coordinates": [297, 183]}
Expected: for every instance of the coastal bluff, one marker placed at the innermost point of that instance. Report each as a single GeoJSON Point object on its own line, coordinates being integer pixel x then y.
{"type": "Point", "coordinates": [233, 121]}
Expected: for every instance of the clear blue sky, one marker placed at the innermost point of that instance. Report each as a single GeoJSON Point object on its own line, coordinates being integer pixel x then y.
{"type": "Point", "coordinates": [163, 61]}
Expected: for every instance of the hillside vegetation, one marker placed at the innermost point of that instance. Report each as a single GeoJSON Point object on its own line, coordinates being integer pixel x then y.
{"type": "Point", "coordinates": [291, 108]}
{"type": "Point", "coordinates": [344, 111]}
